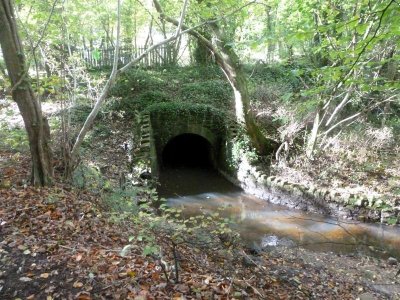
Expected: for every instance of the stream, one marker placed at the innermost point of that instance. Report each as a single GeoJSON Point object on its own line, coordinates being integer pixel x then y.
{"type": "Point", "coordinates": [263, 225]}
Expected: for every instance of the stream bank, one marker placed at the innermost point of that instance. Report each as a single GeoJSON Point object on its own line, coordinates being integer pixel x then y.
{"type": "Point", "coordinates": [363, 254]}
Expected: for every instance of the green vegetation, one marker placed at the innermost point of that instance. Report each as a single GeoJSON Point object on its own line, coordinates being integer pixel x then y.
{"type": "Point", "coordinates": [317, 81]}
{"type": "Point", "coordinates": [138, 89]}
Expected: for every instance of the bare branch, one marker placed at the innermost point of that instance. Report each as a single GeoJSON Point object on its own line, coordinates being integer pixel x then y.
{"type": "Point", "coordinates": [178, 30]}
{"type": "Point", "coordinates": [90, 119]}
{"type": "Point", "coordinates": [339, 107]}
{"type": "Point", "coordinates": [357, 114]}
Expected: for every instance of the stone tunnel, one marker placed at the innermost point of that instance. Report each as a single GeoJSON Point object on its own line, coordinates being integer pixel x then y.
{"type": "Point", "coordinates": [175, 135]}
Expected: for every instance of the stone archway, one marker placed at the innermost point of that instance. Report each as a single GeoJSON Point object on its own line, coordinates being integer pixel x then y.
{"type": "Point", "coordinates": [167, 124]}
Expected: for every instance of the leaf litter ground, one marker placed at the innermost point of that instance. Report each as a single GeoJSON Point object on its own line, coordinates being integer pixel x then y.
{"type": "Point", "coordinates": [60, 243]}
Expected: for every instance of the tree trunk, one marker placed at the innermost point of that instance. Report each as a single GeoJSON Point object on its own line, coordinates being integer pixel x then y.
{"type": "Point", "coordinates": [35, 124]}
{"type": "Point", "coordinates": [312, 140]}
{"type": "Point", "coordinates": [230, 64]}
{"type": "Point", "coordinates": [227, 59]}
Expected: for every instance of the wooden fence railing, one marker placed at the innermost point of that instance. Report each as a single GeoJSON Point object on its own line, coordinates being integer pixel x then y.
{"type": "Point", "coordinates": [98, 58]}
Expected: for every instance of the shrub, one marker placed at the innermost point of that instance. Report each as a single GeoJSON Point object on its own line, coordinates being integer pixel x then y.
{"type": "Point", "coordinates": [213, 92]}
{"type": "Point", "coordinates": [137, 81]}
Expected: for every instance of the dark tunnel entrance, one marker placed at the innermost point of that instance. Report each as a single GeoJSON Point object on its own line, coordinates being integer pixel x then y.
{"type": "Point", "coordinates": [188, 150]}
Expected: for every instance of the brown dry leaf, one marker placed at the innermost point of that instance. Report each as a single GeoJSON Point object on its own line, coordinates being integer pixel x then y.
{"type": "Point", "coordinates": [78, 257]}
{"type": "Point", "coordinates": [83, 296]}
{"type": "Point", "coordinates": [25, 279]}
{"type": "Point", "coordinates": [77, 284]}
{"type": "Point", "coordinates": [208, 280]}
{"type": "Point", "coordinates": [179, 297]}
{"type": "Point", "coordinates": [21, 247]}
{"type": "Point", "coordinates": [183, 288]}
{"type": "Point", "coordinates": [44, 275]}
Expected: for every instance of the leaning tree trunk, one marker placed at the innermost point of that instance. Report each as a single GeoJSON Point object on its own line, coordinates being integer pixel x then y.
{"type": "Point", "coordinates": [227, 59]}
{"type": "Point", "coordinates": [35, 124]}
{"type": "Point", "coordinates": [230, 64]}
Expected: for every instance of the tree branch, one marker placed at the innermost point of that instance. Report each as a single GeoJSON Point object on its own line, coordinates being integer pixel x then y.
{"type": "Point", "coordinates": [115, 72]}
{"type": "Point", "coordinates": [178, 30]}
{"type": "Point", "coordinates": [339, 107]}
{"type": "Point", "coordinates": [344, 78]}
{"type": "Point", "coordinates": [357, 114]}
{"type": "Point", "coordinates": [90, 119]}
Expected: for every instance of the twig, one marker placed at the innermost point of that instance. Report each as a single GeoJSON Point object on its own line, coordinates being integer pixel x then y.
{"type": "Point", "coordinates": [175, 253]}
{"type": "Point", "coordinates": [358, 114]}
{"type": "Point", "coordinates": [68, 248]}
{"type": "Point", "coordinates": [45, 26]}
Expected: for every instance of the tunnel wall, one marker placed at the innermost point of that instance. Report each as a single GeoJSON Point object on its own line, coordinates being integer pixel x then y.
{"type": "Point", "coordinates": [201, 120]}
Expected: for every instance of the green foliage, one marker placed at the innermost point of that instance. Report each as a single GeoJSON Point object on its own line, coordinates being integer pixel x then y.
{"type": "Point", "coordinates": [217, 93]}
{"type": "Point", "coordinates": [241, 147]}
{"type": "Point", "coordinates": [15, 139]}
{"type": "Point", "coordinates": [102, 130]}
{"type": "Point", "coordinates": [122, 201]}
{"type": "Point", "coordinates": [176, 110]}
{"type": "Point", "coordinates": [141, 102]}
{"type": "Point", "coordinates": [172, 228]}
{"type": "Point", "coordinates": [151, 97]}
{"type": "Point", "coordinates": [79, 113]}
{"type": "Point", "coordinates": [137, 81]}
{"type": "Point", "coordinates": [203, 228]}
{"type": "Point", "coordinates": [87, 177]}
{"type": "Point", "coordinates": [139, 89]}
{"type": "Point", "coordinates": [287, 74]}
{"type": "Point", "coordinates": [393, 220]}
{"type": "Point", "coordinates": [48, 86]}
{"type": "Point", "coordinates": [175, 76]}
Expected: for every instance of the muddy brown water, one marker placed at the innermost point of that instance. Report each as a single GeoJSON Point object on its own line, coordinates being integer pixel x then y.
{"type": "Point", "coordinates": [262, 224]}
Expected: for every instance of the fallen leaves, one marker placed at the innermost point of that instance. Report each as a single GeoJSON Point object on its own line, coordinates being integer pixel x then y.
{"type": "Point", "coordinates": [44, 275]}
{"type": "Point", "coordinates": [77, 284]}
{"type": "Point", "coordinates": [78, 257]}
{"type": "Point", "coordinates": [71, 249]}
{"type": "Point", "coordinates": [83, 296]}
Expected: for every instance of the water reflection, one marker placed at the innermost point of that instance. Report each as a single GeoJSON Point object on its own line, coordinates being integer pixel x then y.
{"type": "Point", "coordinates": [259, 221]}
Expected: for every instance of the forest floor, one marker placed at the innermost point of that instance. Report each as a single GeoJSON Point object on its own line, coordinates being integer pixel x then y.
{"type": "Point", "coordinates": [64, 243]}
{"type": "Point", "coordinates": [61, 243]}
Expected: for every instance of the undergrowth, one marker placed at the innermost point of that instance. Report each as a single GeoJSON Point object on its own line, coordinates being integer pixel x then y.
{"type": "Point", "coordinates": [138, 89]}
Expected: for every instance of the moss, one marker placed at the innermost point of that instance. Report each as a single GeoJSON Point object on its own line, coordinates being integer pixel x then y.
{"type": "Point", "coordinates": [174, 110]}
{"type": "Point", "coordinates": [138, 89]}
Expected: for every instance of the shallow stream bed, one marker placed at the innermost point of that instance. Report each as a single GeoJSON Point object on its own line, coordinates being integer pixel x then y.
{"type": "Point", "coordinates": [363, 255]}
{"type": "Point", "coordinates": [264, 225]}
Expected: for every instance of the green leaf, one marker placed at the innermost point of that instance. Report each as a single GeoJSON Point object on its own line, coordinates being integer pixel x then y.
{"type": "Point", "coordinates": [392, 220]}
{"type": "Point", "coordinates": [148, 250]}
{"type": "Point", "coordinates": [96, 54]}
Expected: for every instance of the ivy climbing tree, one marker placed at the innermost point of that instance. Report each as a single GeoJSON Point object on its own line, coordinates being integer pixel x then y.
{"type": "Point", "coordinates": [221, 45]}
{"type": "Point", "coordinates": [36, 125]}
